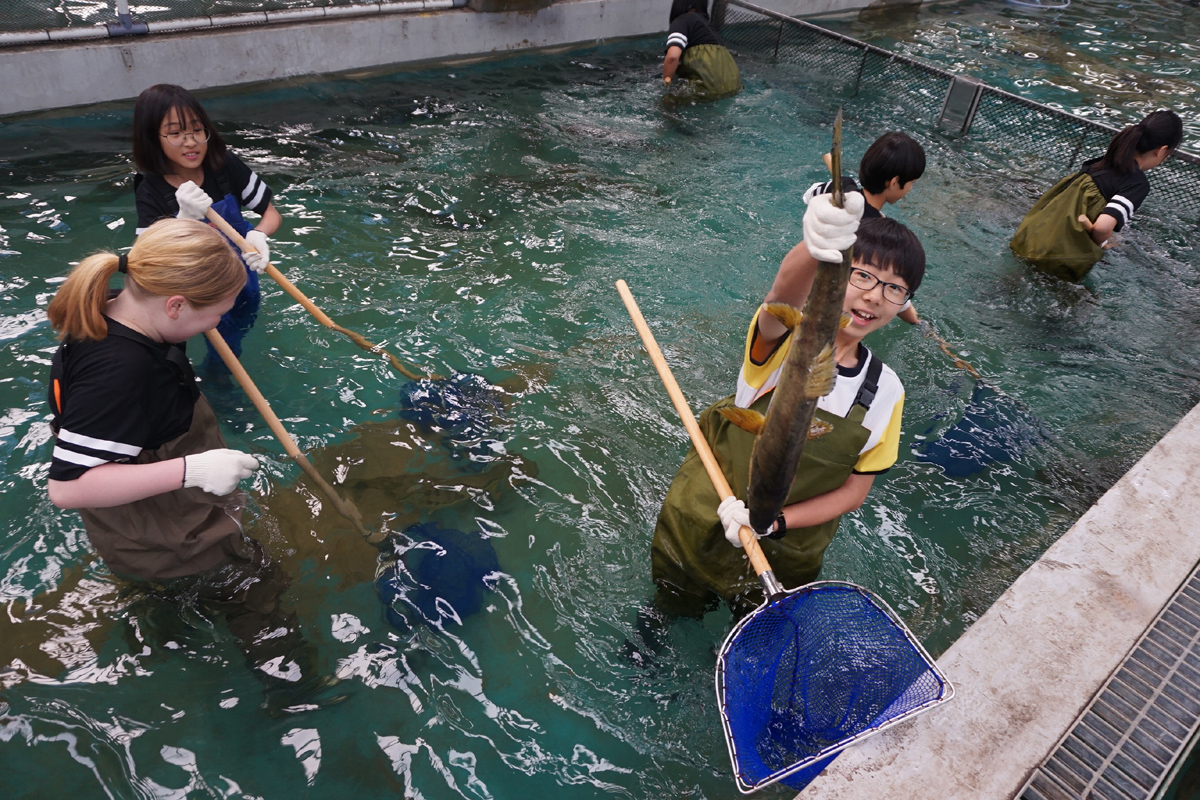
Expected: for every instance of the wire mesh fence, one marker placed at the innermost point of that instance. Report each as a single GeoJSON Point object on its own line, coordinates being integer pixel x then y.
{"type": "Point", "coordinates": [21, 15]}
{"type": "Point", "coordinates": [1050, 142]}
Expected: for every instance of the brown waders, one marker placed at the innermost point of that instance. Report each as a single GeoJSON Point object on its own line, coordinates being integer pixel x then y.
{"type": "Point", "coordinates": [692, 561]}
{"type": "Point", "coordinates": [187, 546]}
{"type": "Point", "coordinates": [1051, 236]}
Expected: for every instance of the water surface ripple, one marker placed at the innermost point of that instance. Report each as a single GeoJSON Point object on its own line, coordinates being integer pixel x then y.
{"type": "Point", "coordinates": [474, 218]}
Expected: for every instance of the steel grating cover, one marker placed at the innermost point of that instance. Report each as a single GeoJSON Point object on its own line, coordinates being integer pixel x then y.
{"type": "Point", "coordinates": [1123, 745]}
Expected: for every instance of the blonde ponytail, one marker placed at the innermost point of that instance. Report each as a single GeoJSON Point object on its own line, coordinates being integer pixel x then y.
{"type": "Point", "coordinates": [172, 257]}
{"type": "Point", "coordinates": [77, 309]}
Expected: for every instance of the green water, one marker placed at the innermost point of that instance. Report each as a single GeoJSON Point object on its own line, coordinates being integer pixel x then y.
{"type": "Point", "coordinates": [1116, 60]}
{"type": "Point", "coordinates": [475, 218]}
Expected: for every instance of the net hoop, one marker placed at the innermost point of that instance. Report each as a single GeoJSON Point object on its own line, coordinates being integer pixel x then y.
{"type": "Point", "coordinates": [747, 785]}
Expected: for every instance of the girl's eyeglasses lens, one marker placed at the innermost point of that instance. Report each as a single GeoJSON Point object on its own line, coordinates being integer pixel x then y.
{"type": "Point", "coordinates": [199, 136]}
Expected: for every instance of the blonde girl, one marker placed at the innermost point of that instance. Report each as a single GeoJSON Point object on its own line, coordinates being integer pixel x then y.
{"type": "Point", "coordinates": [137, 448]}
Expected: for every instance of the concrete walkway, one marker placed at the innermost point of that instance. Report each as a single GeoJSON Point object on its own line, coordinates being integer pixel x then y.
{"type": "Point", "coordinates": [1026, 669]}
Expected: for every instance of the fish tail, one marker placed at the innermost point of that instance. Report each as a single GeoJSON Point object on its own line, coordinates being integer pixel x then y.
{"type": "Point", "coordinates": [788, 315]}
{"type": "Point", "coordinates": [844, 321]}
{"type": "Point", "coordinates": [818, 428]}
{"type": "Point", "coordinates": [744, 418]}
{"type": "Point", "coordinates": [822, 375]}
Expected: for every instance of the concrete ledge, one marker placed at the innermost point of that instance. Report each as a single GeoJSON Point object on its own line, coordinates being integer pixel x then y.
{"type": "Point", "coordinates": [1026, 669]}
{"type": "Point", "coordinates": [41, 76]}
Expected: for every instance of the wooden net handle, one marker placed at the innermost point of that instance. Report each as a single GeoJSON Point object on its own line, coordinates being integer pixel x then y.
{"type": "Point", "coordinates": [749, 540]}
{"type": "Point", "coordinates": [343, 507]}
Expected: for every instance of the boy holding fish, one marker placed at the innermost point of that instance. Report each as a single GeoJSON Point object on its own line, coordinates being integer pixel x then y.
{"type": "Point", "coordinates": [854, 436]}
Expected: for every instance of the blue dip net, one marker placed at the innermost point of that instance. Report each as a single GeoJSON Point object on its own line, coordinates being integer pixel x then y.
{"type": "Point", "coordinates": [812, 672]}
{"type": "Point", "coordinates": [465, 408]}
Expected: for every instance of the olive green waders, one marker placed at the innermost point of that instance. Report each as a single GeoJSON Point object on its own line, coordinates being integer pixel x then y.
{"type": "Point", "coordinates": [690, 556]}
{"type": "Point", "coordinates": [1051, 236]}
{"type": "Point", "coordinates": [710, 74]}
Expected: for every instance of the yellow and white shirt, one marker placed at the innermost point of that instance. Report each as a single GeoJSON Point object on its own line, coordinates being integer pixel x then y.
{"type": "Point", "coordinates": [882, 418]}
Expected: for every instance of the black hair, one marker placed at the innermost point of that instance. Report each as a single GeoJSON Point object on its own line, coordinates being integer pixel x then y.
{"type": "Point", "coordinates": [681, 7]}
{"type": "Point", "coordinates": [1157, 129]}
{"type": "Point", "coordinates": [151, 108]}
{"type": "Point", "coordinates": [893, 155]}
{"type": "Point", "coordinates": [887, 244]}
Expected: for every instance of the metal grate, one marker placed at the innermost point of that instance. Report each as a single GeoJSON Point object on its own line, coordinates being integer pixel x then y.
{"type": "Point", "coordinates": [1123, 745]}
{"type": "Point", "coordinates": [1051, 142]}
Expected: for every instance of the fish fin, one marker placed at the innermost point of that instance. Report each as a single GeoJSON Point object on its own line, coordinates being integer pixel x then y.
{"type": "Point", "coordinates": [818, 428]}
{"type": "Point", "coordinates": [844, 321]}
{"type": "Point", "coordinates": [744, 418]}
{"type": "Point", "coordinates": [788, 315]}
{"type": "Point", "coordinates": [822, 375]}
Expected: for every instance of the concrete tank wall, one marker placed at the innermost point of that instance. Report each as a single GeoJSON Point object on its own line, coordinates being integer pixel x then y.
{"type": "Point", "coordinates": [46, 76]}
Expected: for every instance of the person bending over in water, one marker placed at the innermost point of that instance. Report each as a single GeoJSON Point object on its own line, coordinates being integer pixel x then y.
{"type": "Point", "coordinates": [697, 557]}
{"type": "Point", "coordinates": [137, 447]}
{"type": "Point", "coordinates": [185, 168]}
{"type": "Point", "coordinates": [697, 56]}
{"type": "Point", "coordinates": [1068, 229]}
{"type": "Point", "coordinates": [887, 173]}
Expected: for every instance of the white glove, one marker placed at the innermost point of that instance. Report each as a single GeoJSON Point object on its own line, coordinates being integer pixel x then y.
{"type": "Point", "coordinates": [734, 515]}
{"type": "Point", "coordinates": [828, 230]}
{"type": "Point", "coordinates": [217, 471]}
{"type": "Point", "coordinates": [257, 261]}
{"type": "Point", "coordinates": [193, 201]}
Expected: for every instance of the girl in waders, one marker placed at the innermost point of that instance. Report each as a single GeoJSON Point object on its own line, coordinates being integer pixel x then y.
{"type": "Point", "coordinates": [693, 561]}
{"type": "Point", "coordinates": [1068, 229]}
{"type": "Point", "coordinates": [137, 447]}
{"type": "Point", "coordinates": [697, 56]}
{"type": "Point", "coordinates": [184, 168]}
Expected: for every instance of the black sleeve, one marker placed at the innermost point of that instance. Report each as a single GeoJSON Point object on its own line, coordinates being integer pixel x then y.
{"type": "Point", "coordinates": [677, 34]}
{"type": "Point", "coordinates": [151, 204]}
{"type": "Point", "coordinates": [251, 191]}
{"type": "Point", "coordinates": [1131, 191]}
{"type": "Point", "coordinates": [103, 418]}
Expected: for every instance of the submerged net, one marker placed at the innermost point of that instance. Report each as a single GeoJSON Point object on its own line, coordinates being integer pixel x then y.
{"type": "Point", "coordinates": [811, 673]}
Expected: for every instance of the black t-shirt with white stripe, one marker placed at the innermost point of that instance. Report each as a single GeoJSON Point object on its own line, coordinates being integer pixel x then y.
{"type": "Point", "coordinates": [121, 395]}
{"type": "Point", "coordinates": [1124, 193]}
{"type": "Point", "coordinates": [156, 198]}
{"type": "Point", "coordinates": [690, 29]}
{"type": "Point", "coordinates": [848, 185]}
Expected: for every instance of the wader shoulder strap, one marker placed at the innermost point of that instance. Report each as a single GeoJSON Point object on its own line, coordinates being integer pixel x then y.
{"type": "Point", "coordinates": [57, 390]}
{"type": "Point", "coordinates": [870, 384]}
{"type": "Point", "coordinates": [223, 183]}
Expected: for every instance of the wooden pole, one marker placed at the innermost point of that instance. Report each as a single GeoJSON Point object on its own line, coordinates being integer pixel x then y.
{"type": "Point", "coordinates": [343, 507]}
{"type": "Point", "coordinates": [758, 559]}
{"type": "Point", "coordinates": [299, 296]}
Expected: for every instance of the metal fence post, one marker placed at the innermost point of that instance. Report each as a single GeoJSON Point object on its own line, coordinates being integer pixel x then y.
{"type": "Point", "coordinates": [861, 66]}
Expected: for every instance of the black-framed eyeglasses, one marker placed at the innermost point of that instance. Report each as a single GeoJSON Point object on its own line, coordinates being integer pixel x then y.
{"type": "Point", "coordinates": [177, 138]}
{"type": "Point", "coordinates": [892, 292]}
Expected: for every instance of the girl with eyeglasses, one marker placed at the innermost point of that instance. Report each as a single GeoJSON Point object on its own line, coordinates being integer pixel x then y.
{"type": "Point", "coordinates": [1069, 228]}
{"type": "Point", "coordinates": [184, 169]}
